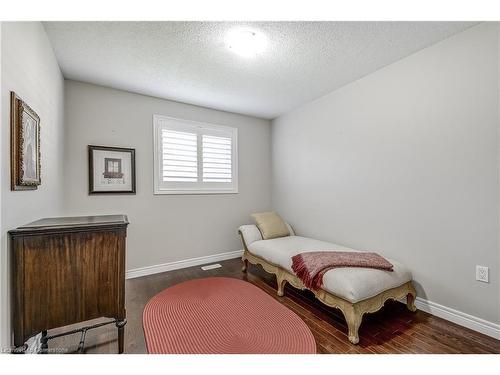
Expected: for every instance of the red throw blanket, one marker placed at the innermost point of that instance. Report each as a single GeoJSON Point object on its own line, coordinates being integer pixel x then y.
{"type": "Point", "coordinates": [311, 266]}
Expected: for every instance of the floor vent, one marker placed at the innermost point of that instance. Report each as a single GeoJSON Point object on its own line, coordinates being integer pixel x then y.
{"type": "Point", "coordinates": [211, 267]}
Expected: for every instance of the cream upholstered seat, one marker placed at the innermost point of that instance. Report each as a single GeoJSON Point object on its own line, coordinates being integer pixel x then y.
{"type": "Point", "coordinates": [351, 284]}
{"type": "Point", "coordinates": [355, 291]}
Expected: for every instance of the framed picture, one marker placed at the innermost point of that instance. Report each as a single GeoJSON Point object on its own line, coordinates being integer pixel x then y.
{"type": "Point", "coordinates": [111, 170]}
{"type": "Point", "coordinates": [24, 145]}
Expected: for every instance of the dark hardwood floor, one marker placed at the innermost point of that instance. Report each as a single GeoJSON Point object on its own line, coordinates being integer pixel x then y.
{"type": "Point", "coordinates": [394, 329]}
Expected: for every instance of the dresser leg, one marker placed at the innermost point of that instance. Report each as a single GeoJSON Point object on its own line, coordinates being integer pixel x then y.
{"type": "Point", "coordinates": [121, 338]}
{"type": "Point", "coordinates": [121, 334]}
{"type": "Point", "coordinates": [45, 342]}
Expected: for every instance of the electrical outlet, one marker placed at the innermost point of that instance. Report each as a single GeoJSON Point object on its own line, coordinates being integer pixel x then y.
{"type": "Point", "coordinates": [482, 274]}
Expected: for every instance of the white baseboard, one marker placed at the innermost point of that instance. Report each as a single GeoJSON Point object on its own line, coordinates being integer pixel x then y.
{"type": "Point", "coordinates": [158, 268]}
{"type": "Point", "coordinates": [458, 317]}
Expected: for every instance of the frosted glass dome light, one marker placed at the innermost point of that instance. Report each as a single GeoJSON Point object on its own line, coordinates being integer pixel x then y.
{"type": "Point", "coordinates": [246, 42]}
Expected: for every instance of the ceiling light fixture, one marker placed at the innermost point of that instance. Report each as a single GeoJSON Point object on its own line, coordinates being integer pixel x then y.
{"type": "Point", "coordinates": [246, 42]}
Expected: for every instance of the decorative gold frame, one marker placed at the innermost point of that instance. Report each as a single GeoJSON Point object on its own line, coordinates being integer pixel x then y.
{"type": "Point", "coordinates": [353, 312]}
{"type": "Point", "coordinates": [18, 109]}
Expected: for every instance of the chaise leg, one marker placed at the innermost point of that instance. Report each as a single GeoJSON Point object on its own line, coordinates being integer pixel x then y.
{"type": "Point", "coordinates": [410, 302]}
{"type": "Point", "coordinates": [410, 297]}
{"type": "Point", "coordinates": [245, 265]}
{"type": "Point", "coordinates": [353, 318]}
{"type": "Point", "coordinates": [281, 284]}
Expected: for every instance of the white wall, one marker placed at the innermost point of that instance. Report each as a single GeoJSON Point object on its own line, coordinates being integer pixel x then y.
{"type": "Point", "coordinates": [3, 310]}
{"type": "Point", "coordinates": [405, 161]}
{"type": "Point", "coordinates": [164, 228]}
{"type": "Point", "coordinates": [29, 68]}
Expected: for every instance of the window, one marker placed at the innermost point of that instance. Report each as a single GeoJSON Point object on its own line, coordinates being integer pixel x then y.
{"type": "Point", "coordinates": [193, 157]}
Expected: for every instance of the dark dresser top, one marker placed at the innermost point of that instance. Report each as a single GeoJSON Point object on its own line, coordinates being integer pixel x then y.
{"type": "Point", "coordinates": [67, 223]}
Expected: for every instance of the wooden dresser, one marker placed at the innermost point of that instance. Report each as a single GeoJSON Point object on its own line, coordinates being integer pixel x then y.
{"type": "Point", "coordinates": [68, 270]}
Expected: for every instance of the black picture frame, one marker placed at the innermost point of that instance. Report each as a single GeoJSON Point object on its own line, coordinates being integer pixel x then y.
{"type": "Point", "coordinates": [91, 149]}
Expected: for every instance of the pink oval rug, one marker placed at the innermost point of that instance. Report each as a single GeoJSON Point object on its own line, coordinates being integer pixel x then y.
{"type": "Point", "coordinates": [220, 315]}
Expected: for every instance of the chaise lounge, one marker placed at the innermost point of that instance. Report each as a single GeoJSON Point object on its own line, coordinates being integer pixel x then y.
{"type": "Point", "coordinates": [355, 291]}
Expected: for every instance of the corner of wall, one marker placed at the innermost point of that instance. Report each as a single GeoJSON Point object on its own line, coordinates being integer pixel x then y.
{"type": "Point", "coordinates": [498, 151]}
{"type": "Point", "coordinates": [3, 328]}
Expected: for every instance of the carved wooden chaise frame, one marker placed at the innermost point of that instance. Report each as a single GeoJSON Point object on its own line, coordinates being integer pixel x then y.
{"type": "Point", "coordinates": [353, 312]}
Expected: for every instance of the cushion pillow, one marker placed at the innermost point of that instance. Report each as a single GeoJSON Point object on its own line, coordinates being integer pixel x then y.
{"type": "Point", "coordinates": [270, 225]}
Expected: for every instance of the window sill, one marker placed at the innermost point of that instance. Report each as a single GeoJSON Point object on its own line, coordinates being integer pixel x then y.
{"type": "Point", "coordinates": [195, 192]}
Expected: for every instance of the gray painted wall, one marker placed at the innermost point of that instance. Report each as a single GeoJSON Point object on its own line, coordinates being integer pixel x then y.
{"type": "Point", "coordinates": [30, 69]}
{"type": "Point", "coordinates": [405, 161]}
{"type": "Point", "coordinates": [164, 228]}
{"type": "Point", "coordinates": [3, 271]}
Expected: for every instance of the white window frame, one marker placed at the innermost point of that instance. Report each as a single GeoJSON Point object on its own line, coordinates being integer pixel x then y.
{"type": "Point", "coordinates": [200, 128]}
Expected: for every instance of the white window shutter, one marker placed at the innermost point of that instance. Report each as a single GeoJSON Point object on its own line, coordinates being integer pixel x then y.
{"type": "Point", "coordinates": [179, 156]}
{"type": "Point", "coordinates": [217, 159]}
{"type": "Point", "coordinates": [194, 158]}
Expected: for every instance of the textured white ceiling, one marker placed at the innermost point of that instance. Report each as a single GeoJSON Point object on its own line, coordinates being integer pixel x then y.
{"type": "Point", "coordinates": [189, 62]}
